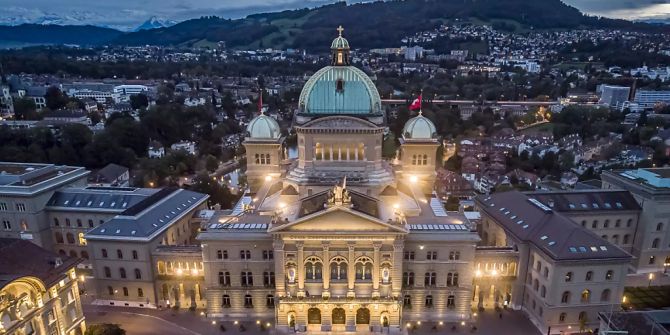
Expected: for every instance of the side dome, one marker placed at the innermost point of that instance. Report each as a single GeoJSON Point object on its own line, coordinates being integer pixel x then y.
{"type": "Point", "coordinates": [263, 127]}
{"type": "Point", "coordinates": [419, 128]}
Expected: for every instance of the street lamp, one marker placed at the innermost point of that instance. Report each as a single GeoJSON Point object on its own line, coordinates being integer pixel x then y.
{"type": "Point", "coordinates": [665, 267]}
{"type": "Point", "coordinates": [651, 277]}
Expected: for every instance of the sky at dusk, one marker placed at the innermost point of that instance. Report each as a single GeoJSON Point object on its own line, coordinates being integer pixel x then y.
{"type": "Point", "coordinates": [130, 13]}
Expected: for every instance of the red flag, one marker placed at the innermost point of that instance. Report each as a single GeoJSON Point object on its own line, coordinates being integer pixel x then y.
{"type": "Point", "coordinates": [416, 104]}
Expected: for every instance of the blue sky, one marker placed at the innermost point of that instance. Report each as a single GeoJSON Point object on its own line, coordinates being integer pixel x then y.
{"type": "Point", "coordinates": [130, 13]}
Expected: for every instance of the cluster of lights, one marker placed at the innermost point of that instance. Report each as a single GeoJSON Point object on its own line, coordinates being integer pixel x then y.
{"type": "Point", "coordinates": [494, 273]}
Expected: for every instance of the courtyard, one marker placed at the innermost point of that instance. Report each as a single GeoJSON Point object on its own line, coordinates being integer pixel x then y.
{"type": "Point", "coordinates": [139, 321]}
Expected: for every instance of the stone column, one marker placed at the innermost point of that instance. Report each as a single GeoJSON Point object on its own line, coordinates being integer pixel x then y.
{"type": "Point", "coordinates": [300, 268]}
{"type": "Point", "coordinates": [396, 275]}
{"type": "Point", "coordinates": [351, 271]}
{"type": "Point", "coordinates": [325, 273]}
{"type": "Point", "coordinates": [375, 269]}
{"type": "Point", "coordinates": [280, 276]}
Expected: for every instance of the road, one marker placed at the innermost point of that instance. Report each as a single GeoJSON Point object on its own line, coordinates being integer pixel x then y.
{"type": "Point", "coordinates": [135, 323]}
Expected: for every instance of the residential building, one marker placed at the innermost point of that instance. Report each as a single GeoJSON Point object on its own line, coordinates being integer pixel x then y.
{"type": "Point", "coordinates": [38, 291]}
{"type": "Point", "coordinates": [112, 175]}
{"type": "Point", "coordinates": [646, 100]}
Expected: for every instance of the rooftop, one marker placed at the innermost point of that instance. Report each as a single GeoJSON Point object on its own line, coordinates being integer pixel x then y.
{"type": "Point", "coordinates": [27, 178]}
{"type": "Point", "coordinates": [587, 200]}
{"type": "Point", "coordinates": [656, 178]}
{"type": "Point", "coordinates": [115, 199]}
{"type": "Point", "coordinates": [19, 258]}
{"type": "Point", "coordinates": [530, 220]}
{"type": "Point", "coordinates": [149, 216]}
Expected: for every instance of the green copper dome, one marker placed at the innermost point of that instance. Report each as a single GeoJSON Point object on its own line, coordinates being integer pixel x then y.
{"type": "Point", "coordinates": [263, 127]}
{"type": "Point", "coordinates": [419, 128]}
{"type": "Point", "coordinates": [340, 90]}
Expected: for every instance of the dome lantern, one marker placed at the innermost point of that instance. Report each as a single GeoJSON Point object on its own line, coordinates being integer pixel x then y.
{"type": "Point", "coordinates": [419, 128]}
{"type": "Point", "coordinates": [263, 127]}
{"type": "Point", "coordinates": [340, 49]}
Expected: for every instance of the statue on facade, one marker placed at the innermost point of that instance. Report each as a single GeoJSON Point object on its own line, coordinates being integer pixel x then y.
{"type": "Point", "coordinates": [339, 194]}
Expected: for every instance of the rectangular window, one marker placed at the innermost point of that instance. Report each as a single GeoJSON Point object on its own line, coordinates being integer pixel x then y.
{"type": "Point", "coordinates": [20, 207]}
{"type": "Point", "coordinates": [268, 254]}
{"type": "Point", "coordinates": [431, 255]}
{"type": "Point", "coordinates": [409, 255]}
{"type": "Point", "coordinates": [245, 254]}
{"type": "Point", "coordinates": [3, 206]}
{"type": "Point", "coordinates": [6, 225]}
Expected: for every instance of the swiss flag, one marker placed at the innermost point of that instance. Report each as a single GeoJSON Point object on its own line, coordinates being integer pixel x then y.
{"type": "Point", "coordinates": [416, 104]}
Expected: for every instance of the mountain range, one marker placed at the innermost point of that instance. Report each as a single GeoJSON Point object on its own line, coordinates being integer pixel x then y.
{"type": "Point", "coordinates": [368, 25]}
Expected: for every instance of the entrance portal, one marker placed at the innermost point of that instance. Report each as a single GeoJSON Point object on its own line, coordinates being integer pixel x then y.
{"type": "Point", "coordinates": [363, 316]}
{"type": "Point", "coordinates": [339, 316]}
{"type": "Point", "coordinates": [314, 316]}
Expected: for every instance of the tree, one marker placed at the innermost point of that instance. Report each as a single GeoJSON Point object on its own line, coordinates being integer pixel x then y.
{"type": "Point", "coordinates": [25, 109]}
{"type": "Point", "coordinates": [55, 99]}
{"type": "Point", "coordinates": [139, 101]}
{"type": "Point", "coordinates": [105, 329]}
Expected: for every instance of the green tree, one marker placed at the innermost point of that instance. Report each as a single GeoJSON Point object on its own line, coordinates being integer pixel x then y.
{"type": "Point", "coordinates": [105, 329]}
{"type": "Point", "coordinates": [25, 109]}
{"type": "Point", "coordinates": [139, 101]}
{"type": "Point", "coordinates": [55, 99]}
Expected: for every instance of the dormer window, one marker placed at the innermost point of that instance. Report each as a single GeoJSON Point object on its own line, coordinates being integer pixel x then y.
{"type": "Point", "coordinates": [339, 85]}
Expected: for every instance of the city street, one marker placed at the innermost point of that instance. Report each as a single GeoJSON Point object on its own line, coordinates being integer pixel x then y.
{"type": "Point", "coordinates": [137, 321]}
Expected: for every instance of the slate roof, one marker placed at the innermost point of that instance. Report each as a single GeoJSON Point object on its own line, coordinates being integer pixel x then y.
{"type": "Point", "coordinates": [20, 258]}
{"type": "Point", "coordinates": [115, 199]}
{"type": "Point", "coordinates": [528, 220]}
{"type": "Point", "coordinates": [109, 173]}
{"type": "Point", "coordinates": [150, 216]}
{"type": "Point", "coordinates": [587, 200]}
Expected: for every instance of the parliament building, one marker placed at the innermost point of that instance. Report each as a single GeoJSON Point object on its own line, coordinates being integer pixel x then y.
{"type": "Point", "coordinates": [339, 239]}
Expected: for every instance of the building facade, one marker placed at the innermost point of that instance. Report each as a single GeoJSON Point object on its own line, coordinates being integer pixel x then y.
{"type": "Point", "coordinates": [651, 189]}
{"type": "Point", "coordinates": [38, 291]}
{"type": "Point", "coordinates": [339, 239]}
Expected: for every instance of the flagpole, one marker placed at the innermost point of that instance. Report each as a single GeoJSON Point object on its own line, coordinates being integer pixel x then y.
{"type": "Point", "coordinates": [421, 103]}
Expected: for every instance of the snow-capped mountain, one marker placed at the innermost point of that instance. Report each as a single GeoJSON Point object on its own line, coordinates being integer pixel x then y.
{"type": "Point", "coordinates": [155, 22]}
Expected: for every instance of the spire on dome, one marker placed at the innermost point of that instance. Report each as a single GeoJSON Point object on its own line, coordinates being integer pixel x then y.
{"type": "Point", "coordinates": [340, 49]}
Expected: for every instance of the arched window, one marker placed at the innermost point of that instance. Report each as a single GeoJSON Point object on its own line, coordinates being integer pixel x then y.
{"type": "Point", "coordinates": [313, 268]}
{"type": "Point", "coordinates": [589, 276]}
{"type": "Point", "coordinates": [79, 224]}
{"type": "Point", "coordinates": [270, 301]}
{"type": "Point", "coordinates": [609, 275]}
{"type": "Point", "coordinates": [110, 290]}
{"type": "Point", "coordinates": [451, 301]}
{"type": "Point", "coordinates": [59, 237]}
{"type": "Point", "coordinates": [545, 272]}
{"type": "Point", "coordinates": [429, 301]}
{"type": "Point", "coordinates": [122, 272]}
{"type": "Point", "coordinates": [583, 223]}
{"type": "Point", "coordinates": [595, 224]}
{"type": "Point", "coordinates": [56, 222]}
{"type": "Point", "coordinates": [225, 301]}
{"type": "Point", "coordinates": [536, 285]}
{"type": "Point", "coordinates": [414, 160]}
{"type": "Point", "coordinates": [340, 82]}
{"type": "Point", "coordinates": [247, 278]}
{"type": "Point", "coordinates": [568, 277]}
{"type": "Point", "coordinates": [363, 268]}
{"type": "Point", "coordinates": [125, 291]}
{"type": "Point", "coordinates": [70, 238]}
{"type": "Point", "coordinates": [140, 292]}
{"type": "Point", "coordinates": [257, 159]}
{"type": "Point", "coordinates": [659, 226]}
{"type": "Point", "coordinates": [108, 272]}
{"type": "Point", "coordinates": [338, 268]}
{"type": "Point", "coordinates": [408, 279]}
{"type": "Point", "coordinates": [626, 239]}
{"type": "Point", "coordinates": [565, 298]}
{"type": "Point", "coordinates": [582, 316]}
{"type": "Point", "coordinates": [615, 239]}
{"type": "Point", "coordinates": [586, 296]}
{"type": "Point", "coordinates": [135, 254]}
{"type": "Point", "coordinates": [605, 296]}
{"type": "Point", "coordinates": [138, 274]}
{"type": "Point", "coordinates": [248, 301]}
{"type": "Point", "coordinates": [425, 160]}
{"type": "Point", "coordinates": [119, 254]}
{"type": "Point", "coordinates": [104, 253]}
{"type": "Point", "coordinates": [561, 317]}
{"type": "Point", "coordinates": [617, 223]}
{"type": "Point", "coordinates": [407, 301]}
{"type": "Point", "coordinates": [655, 243]}
{"type": "Point", "coordinates": [543, 291]}
{"type": "Point", "coordinates": [90, 223]}
{"type": "Point", "coordinates": [430, 279]}
{"type": "Point", "coordinates": [67, 223]}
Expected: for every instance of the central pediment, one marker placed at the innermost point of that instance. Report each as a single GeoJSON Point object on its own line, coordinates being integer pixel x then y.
{"type": "Point", "coordinates": [339, 220]}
